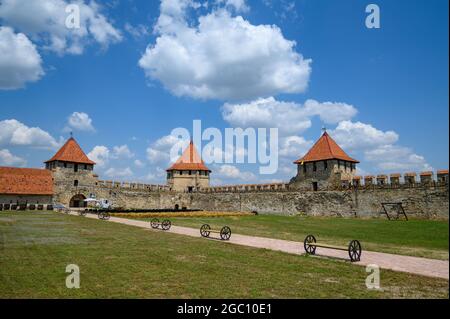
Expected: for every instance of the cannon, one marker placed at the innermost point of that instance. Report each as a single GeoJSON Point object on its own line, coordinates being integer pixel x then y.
{"type": "Point", "coordinates": [225, 231]}
{"type": "Point", "coordinates": [82, 213]}
{"type": "Point", "coordinates": [104, 215]}
{"type": "Point", "coordinates": [354, 247]}
{"type": "Point", "coordinates": [164, 225]}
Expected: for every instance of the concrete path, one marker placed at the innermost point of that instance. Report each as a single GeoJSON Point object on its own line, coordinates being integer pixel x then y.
{"type": "Point", "coordinates": [409, 264]}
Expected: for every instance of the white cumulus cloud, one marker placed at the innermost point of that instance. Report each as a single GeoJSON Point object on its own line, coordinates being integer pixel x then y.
{"type": "Point", "coordinates": [100, 155]}
{"type": "Point", "coordinates": [238, 5]}
{"type": "Point", "coordinates": [13, 132]}
{"type": "Point", "coordinates": [289, 117]}
{"type": "Point", "coordinates": [122, 151]}
{"type": "Point", "coordinates": [293, 147]}
{"type": "Point", "coordinates": [79, 121]}
{"type": "Point", "coordinates": [232, 172]}
{"type": "Point", "coordinates": [119, 172]}
{"type": "Point", "coordinates": [159, 151]}
{"type": "Point", "coordinates": [378, 148]}
{"type": "Point", "coordinates": [45, 22]}
{"type": "Point", "coordinates": [139, 163]}
{"type": "Point", "coordinates": [357, 135]}
{"type": "Point", "coordinates": [222, 56]}
{"type": "Point", "coordinates": [19, 60]}
{"type": "Point", "coordinates": [8, 159]}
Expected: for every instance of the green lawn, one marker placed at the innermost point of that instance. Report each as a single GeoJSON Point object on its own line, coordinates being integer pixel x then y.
{"type": "Point", "coordinates": [424, 238]}
{"type": "Point", "coordinates": [124, 261]}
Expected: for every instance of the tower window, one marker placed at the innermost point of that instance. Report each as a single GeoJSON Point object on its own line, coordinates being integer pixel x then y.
{"type": "Point", "coordinates": [181, 172]}
{"type": "Point", "coordinates": [75, 183]}
{"type": "Point", "coordinates": [325, 164]}
{"type": "Point", "coordinates": [65, 165]}
{"type": "Point", "coordinates": [304, 168]}
{"type": "Point", "coordinates": [314, 167]}
{"type": "Point", "coordinates": [75, 168]}
{"type": "Point", "coordinates": [339, 164]}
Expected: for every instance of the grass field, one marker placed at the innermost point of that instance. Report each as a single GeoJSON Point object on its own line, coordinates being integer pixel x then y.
{"type": "Point", "coordinates": [423, 238]}
{"type": "Point", "coordinates": [123, 261]}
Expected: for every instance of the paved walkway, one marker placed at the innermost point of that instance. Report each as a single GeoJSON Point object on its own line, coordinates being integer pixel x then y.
{"type": "Point", "coordinates": [409, 264]}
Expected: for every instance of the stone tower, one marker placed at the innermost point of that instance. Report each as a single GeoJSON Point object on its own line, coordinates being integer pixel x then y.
{"type": "Point", "coordinates": [324, 165]}
{"type": "Point", "coordinates": [73, 176]}
{"type": "Point", "coordinates": [189, 172]}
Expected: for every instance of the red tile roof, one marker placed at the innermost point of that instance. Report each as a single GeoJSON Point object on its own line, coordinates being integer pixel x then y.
{"type": "Point", "coordinates": [71, 152]}
{"type": "Point", "coordinates": [25, 181]}
{"type": "Point", "coordinates": [442, 171]}
{"type": "Point", "coordinates": [189, 160]}
{"type": "Point", "coordinates": [324, 149]}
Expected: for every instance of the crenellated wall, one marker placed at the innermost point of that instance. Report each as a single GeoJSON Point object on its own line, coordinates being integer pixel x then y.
{"type": "Point", "coordinates": [423, 198]}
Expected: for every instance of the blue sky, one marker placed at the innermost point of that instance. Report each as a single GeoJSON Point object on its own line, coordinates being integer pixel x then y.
{"type": "Point", "coordinates": [381, 93]}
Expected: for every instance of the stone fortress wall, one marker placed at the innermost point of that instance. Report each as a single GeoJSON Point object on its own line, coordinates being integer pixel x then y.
{"type": "Point", "coordinates": [426, 197]}
{"type": "Point", "coordinates": [325, 184]}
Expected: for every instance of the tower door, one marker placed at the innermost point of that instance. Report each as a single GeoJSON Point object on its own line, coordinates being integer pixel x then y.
{"type": "Point", "coordinates": [315, 186]}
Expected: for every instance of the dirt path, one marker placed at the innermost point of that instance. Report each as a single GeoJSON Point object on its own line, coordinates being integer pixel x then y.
{"type": "Point", "coordinates": [409, 264]}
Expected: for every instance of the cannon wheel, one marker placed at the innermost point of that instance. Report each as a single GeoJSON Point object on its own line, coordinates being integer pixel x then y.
{"type": "Point", "coordinates": [106, 215]}
{"type": "Point", "coordinates": [311, 250]}
{"type": "Point", "coordinates": [154, 223]}
{"type": "Point", "coordinates": [354, 250]}
{"type": "Point", "coordinates": [100, 215]}
{"type": "Point", "coordinates": [82, 213]}
{"type": "Point", "coordinates": [166, 224]}
{"type": "Point", "coordinates": [225, 233]}
{"type": "Point", "coordinates": [204, 230]}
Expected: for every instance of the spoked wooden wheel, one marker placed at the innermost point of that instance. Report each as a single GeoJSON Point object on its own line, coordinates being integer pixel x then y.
{"type": "Point", "coordinates": [82, 213]}
{"type": "Point", "coordinates": [225, 233]}
{"type": "Point", "coordinates": [354, 250]}
{"type": "Point", "coordinates": [166, 224]}
{"type": "Point", "coordinates": [154, 223]}
{"type": "Point", "coordinates": [310, 249]}
{"type": "Point", "coordinates": [106, 216]}
{"type": "Point", "coordinates": [204, 230]}
{"type": "Point", "coordinates": [100, 215]}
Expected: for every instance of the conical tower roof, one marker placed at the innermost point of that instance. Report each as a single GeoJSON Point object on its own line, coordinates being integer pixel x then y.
{"type": "Point", "coordinates": [189, 160]}
{"type": "Point", "coordinates": [325, 149]}
{"type": "Point", "coordinates": [71, 152]}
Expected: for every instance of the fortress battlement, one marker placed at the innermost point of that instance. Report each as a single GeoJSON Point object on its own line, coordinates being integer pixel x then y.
{"type": "Point", "coordinates": [132, 186]}
{"type": "Point", "coordinates": [394, 180]}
